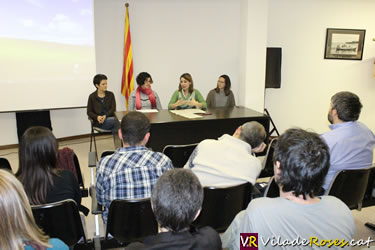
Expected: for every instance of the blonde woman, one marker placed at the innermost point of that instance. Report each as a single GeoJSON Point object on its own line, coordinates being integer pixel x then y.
{"type": "Point", "coordinates": [17, 219]}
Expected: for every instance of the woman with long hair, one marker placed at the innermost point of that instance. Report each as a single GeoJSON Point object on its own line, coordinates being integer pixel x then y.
{"type": "Point", "coordinates": [43, 182]}
{"type": "Point", "coordinates": [221, 96]}
{"type": "Point", "coordinates": [186, 97]}
{"type": "Point", "coordinates": [17, 225]}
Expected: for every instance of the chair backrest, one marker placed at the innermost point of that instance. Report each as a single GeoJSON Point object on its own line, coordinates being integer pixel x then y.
{"type": "Point", "coordinates": [4, 164]}
{"type": "Point", "coordinates": [267, 170]}
{"type": "Point", "coordinates": [78, 171]}
{"type": "Point", "coordinates": [60, 220]}
{"type": "Point", "coordinates": [272, 190]}
{"type": "Point", "coordinates": [221, 205]}
{"type": "Point", "coordinates": [350, 186]}
{"type": "Point", "coordinates": [131, 220]}
{"type": "Point", "coordinates": [179, 154]}
{"type": "Point", "coordinates": [107, 152]}
{"type": "Point", "coordinates": [370, 183]}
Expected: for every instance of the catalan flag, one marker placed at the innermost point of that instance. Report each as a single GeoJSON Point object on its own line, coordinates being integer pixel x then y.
{"type": "Point", "coordinates": [127, 82]}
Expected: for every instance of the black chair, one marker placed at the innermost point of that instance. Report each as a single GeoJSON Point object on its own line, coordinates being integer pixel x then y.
{"type": "Point", "coordinates": [221, 205]}
{"type": "Point", "coordinates": [84, 191]}
{"type": "Point", "coordinates": [267, 168]}
{"type": "Point", "coordinates": [107, 152]}
{"type": "Point", "coordinates": [97, 130]}
{"type": "Point", "coordinates": [130, 220]}
{"type": "Point", "coordinates": [350, 186]}
{"type": "Point", "coordinates": [61, 220]}
{"type": "Point", "coordinates": [272, 190]}
{"type": "Point", "coordinates": [179, 154]}
{"type": "Point", "coordinates": [4, 164]}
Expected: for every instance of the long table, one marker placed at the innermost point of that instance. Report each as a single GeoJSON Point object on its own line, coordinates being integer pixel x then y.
{"type": "Point", "coordinates": [171, 129]}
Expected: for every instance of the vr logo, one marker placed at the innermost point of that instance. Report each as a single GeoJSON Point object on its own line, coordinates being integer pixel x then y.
{"type": "Point", "coordinates": [248, 241]}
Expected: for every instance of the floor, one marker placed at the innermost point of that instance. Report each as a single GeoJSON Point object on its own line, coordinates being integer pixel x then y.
{"type": "Point", "coordinates": [105, 142]}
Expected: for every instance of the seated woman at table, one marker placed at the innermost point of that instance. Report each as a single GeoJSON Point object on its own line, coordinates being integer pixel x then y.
{"type": "Point", "coordinates": [144, 97]}
{"type": "Point", "coordinates": [186, 97]}
{"type": "Point", "coordinates": [221, 96]}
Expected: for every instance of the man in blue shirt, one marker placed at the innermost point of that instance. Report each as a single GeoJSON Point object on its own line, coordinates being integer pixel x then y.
{"type": "Point", "coordinates": [351, 143]}
{"type": "Point", "coordinates": [132, 171]}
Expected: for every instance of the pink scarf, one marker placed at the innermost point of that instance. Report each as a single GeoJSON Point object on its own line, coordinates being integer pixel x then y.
{"type": "Point", "coordinates": [148, 92]}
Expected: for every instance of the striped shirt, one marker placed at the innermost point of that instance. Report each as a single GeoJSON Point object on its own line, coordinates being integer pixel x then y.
{"type": "Point", "coordinates": [129, 173]}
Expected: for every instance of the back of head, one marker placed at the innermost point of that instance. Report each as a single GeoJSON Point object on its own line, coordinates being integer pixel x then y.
{"type": "Point", "coordinates": [16, 217]}
{"type": "Point", "coordinates": [304, 162]}
{"type": "Point", "coordinates": [347, 105]}
{"type": "Point", "coordinates": [253, 133]}
{"type": "Point", "coordinates": [98, 78]}
{"type": "Point", "coordinates": [37, 159]}
{"type": "Point", "coordinates": [176, 199]}
{"type": "Point", "coordinates": [134, 126]}
{"type": "Point", "coordinates": [142, 77]}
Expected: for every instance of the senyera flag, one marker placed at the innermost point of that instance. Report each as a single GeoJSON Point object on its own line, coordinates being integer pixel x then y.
{"type": "Point", "coordinates": [127, 82]}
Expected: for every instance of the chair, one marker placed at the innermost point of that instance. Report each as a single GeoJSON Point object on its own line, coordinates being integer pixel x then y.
{"type": "Point", "coordinates": [4, 164]}
{"type": "Point", "coordinates": [272, 190]}
{"type": "Point", "coordinates": [130, 220]}
{"type": "Point", "coordinates": [92, 137]}
{"type": "Point", "coordinates": [179, 154]}
{"type": "Point", "coordinates": [107, 152]}
{"type": "Point", "coordinates": [60, 220]}
{"type": "Point", "coordinates": [221, 205]}
{"type": "Point", "coordinates": [267, 168]}
{"type": "Point", "coordinates": [350, 186]}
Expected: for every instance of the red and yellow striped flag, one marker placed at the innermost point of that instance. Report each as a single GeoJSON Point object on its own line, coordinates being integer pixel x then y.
{"type": "Point", "coordinates": [127, 82]}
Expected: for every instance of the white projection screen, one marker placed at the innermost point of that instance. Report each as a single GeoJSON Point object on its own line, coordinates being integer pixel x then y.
{"type": "Point", "coordinates": [47, 54]}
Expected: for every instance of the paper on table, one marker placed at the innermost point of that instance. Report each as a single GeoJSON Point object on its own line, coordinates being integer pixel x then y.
{"type": "Point", "coordinates": [188, 113]}
{"type": "Point", "coordinates": [148, 110]}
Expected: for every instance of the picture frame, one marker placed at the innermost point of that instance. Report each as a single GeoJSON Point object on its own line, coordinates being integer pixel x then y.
{"type": "Point", "coordinates": [344, 44]}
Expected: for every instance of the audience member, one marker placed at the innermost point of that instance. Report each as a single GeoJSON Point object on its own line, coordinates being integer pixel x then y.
{"type": "Point", "coordinates": [229, 160]}
{"type": "Point", "coordinates": [43, 182]}
{"type": "Point", "coordinates": [101, 107]}
{"type": "Point", "coordinates": [301, 164]}
{"type": "Point", "coordinates": [144, 97]}
{"type": "Point", "coordinates": [221, 96]}
{"type": "Point", "coordinates": [186, 97]}
{"type": "Point", "coordinates": [132, 170]}
{"type": "Point", "coordinates": [350, 142]}
{"type": "Point", "coordinates": [176, 201]}
{"type": "Point", "coordinates": [17, 225]}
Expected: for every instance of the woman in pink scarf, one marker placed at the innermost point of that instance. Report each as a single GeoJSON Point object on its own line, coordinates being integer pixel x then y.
{"type": "Point", "coordinates": [143, 97]}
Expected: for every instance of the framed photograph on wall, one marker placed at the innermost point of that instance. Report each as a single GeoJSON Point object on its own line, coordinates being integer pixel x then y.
{"type": "Point", "coordinates": [344, 44]}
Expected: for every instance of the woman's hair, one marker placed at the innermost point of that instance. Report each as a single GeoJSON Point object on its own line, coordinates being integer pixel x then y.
{"type": "Point", "coordinates": [142, 77]}
{"type": "Point", "coordinates": [37, 162]}
{"type": "Point", "coordinates": [98, 78]}
{"type": "Point", "coordinates": [227, 85]}
{"type": "Point", "coordinates": [187, 77]}
{"type": "Point", "coordinates": [17, 223]}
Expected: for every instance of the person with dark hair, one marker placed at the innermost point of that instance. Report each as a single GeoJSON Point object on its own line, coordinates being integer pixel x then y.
{"type": "Point", "coordinates": [176, 201]}
{"type": "Point", "coordinates": [144, 97]}
{"type": "Point", "coordinates": [221, 96]}
{"type": "Point", "coordinates": [301, 162]}
{"type": "Point", "coordinates": [351, 143]}
{"type": "Point", "coordinates": [186, 97]}
{"type": "Point", "coordinates": [43, 182]}
{"type": "Point", "coordinates": [229, 161]}
{"type": "Point", "coordinates": [131, 171]}
{"type": "Point", "coordinates": [101, 107]}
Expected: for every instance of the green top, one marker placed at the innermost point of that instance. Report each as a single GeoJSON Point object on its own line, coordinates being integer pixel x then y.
{"type": "Point", "coordinates": [179, 95]}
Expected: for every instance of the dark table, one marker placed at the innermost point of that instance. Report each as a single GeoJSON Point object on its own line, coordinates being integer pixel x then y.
{"type": "Point", "coordinates": [170, 129]}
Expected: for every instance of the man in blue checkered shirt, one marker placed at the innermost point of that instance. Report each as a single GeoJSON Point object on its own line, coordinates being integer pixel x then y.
{"type": "Point", "coordinates": [132, 170]}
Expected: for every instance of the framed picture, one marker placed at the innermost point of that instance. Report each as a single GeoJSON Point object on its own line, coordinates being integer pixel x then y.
{"type": "Point", "coordinates": [344, 44]}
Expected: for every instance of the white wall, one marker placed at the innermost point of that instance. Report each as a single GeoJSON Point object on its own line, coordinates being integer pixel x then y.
{"type": "Point", "coordinates": [308, 80]}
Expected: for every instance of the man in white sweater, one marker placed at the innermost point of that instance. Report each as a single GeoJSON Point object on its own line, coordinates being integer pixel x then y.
{"type": "Point", "coordinates": [230, 160]}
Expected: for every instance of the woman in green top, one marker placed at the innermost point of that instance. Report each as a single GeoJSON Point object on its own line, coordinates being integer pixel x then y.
{"type": "Point", "coordinates": [186, 97]}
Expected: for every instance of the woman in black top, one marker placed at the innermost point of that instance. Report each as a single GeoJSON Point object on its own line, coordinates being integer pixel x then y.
{"type": "Point", "coordinates": [43, 182]}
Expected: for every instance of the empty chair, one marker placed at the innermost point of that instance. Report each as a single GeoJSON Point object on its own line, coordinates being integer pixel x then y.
{"type": "Point", "coordinates": [179, 154]}
{"type": "Point", "coordinates": [221, 205]}
{"type": "Point", "coordinates": [350, 186]}
{"type": "Point", "coordinates": [267, 168]}
{"type": "Point", "coordinates": [130, 220]}
{"type": "Point", "coordinates": [61, 220]}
